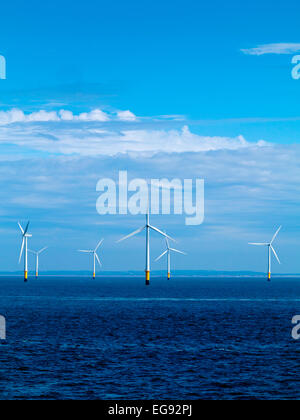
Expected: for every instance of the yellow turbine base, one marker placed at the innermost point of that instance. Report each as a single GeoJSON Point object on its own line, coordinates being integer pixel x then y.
{"type": "Point", "coordinates": [147, 278]}
{"type": "Point", "coordinates": [94, 275]}
{"type": "Point", "coordinates": [169, 276]}
{"type": "Point", "coordinates": [269, 276]}
{"type": "Point", "coordinates": [26, 275]}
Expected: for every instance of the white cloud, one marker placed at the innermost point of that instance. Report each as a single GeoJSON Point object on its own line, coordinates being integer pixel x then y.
{"type": "Point", "coordinates": [281, 48]}
{"type": "Point", "coordinates": [95, 115]}
{"type": "Point", "coordinates": [12, 116]}
{"type": "Point", "coordinates": [18, 116]}
{"type": "Point", "coordinates": [42, 116]}
{"type": "Point", "coordinates": [66, 115]}
{"type": "Point", "coordinates": [126, 116]}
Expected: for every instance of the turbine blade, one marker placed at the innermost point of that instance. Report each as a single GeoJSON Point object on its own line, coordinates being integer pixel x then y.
{"type": "Point", "coordinates": [162, 233]}
{"type": "Point", "coordinates": [168, 243]}
{"type": "Point", "coordinates": [26, 229]}
{"type": "Point", "coordinates": [22, 249]}
{"type": "Point", "coordinates": [98, 259]}
{"type": "Point", "coordinates": [259, 244]}
{"type": "Point", "coordinates": [131, 235]}
{"type": "Point", "coordinates": [99, 244]}
{"type": "Point", "coordinates": [22, 230]}
{"type": "Point", "coordinates": [42, 250]}
{"type": "Point", "coordinates": [178, 252]}
{"type": "Point", "coordinates": [274, 252]}
{"type": "Point", "coordinates": [275, 236]}
{"type": "Point", "coordinates": [86, 252]}
{"type": "Point", "coordinates": [162, 255]}
{"type": "Point", "coordinates": [32, 252]}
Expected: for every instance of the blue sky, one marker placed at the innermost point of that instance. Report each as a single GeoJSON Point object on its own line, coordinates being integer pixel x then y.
{"type": "Point", "coordinates": [183, 80]}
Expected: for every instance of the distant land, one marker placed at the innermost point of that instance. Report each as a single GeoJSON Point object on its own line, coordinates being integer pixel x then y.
{"type": "Point", "coordinates": [155, 273]}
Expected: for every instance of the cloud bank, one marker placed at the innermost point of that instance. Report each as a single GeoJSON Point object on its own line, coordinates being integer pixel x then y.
{"type": "Point", "coordinates": [98, 134]}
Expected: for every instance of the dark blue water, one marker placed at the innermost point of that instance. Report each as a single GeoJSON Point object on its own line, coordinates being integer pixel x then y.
{"type": "Point", "coordinates": [116, 339]}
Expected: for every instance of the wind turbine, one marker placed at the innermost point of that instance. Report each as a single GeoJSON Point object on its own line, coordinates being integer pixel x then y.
{"type": "Point", "coordinates": [37, 255]}
{"type": "Point", "coordinates": [168, 253]}
{"type": "Point", "coordinates": [270, 250]}
{"type": "Point", "coordinates": [148, 228]}
{"type": "Point", "coordinates": [95, 255]}
{"type": "Point", "coordinates": [25, 237]}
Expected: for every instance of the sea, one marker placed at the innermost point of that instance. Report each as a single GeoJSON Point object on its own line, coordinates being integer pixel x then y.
{"type": "Point", "coordinates": [113, 338]}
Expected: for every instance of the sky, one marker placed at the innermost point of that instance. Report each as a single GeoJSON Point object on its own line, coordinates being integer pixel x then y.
{"type": "Point", "coordinates": [172, 89]}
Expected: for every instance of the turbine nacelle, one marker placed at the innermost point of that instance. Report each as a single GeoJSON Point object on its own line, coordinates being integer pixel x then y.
{"type": "Point", "coordinates": [24, 231]}
{"type": "Point", "coordinates": [169, 250]}
{"type": "Point", "coordinates": [147, 226]}
{"type": "Point", "coordinates": [270, 244]}
{"type": "Point", "coordinates": [37, 252]}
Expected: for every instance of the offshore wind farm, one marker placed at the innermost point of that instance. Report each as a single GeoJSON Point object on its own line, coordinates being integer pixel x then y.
{"type": "Point", "coordinates": [148, 227]}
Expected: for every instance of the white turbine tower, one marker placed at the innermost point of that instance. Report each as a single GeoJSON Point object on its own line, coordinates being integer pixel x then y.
{"type": "Point", "coordinates": [270, 250]}
{"type": "Point", "coordinates": [95, 255]}
{"type": "Point", "coordinates": [148, 228]}
{"type": "Point", "coordinates": [37, 258]}
{"type": "Point", "coordinates": [25, 236]}
{"type": "Point", "coordinates": [168, 253]}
